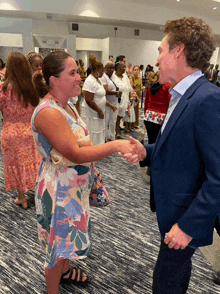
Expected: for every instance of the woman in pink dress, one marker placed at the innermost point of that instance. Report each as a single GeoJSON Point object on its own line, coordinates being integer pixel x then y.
{"type": "Point", "coordinates": [18, 100]}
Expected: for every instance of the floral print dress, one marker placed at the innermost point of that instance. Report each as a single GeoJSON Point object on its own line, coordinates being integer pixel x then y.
{"type": "Point", "coordinates": [62, 198]}
{"type": "Point", "coordinates": [20, 156]}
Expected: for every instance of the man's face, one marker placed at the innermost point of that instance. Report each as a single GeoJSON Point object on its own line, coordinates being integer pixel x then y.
{"type": "Point", "coordinates": [166, 62]}
{"type": "Point", "coordinates": [211, 66]}
{"type": "Point", "coordinates": [217, 66]}
{"type": "Point", "coordinates": [123, 61]}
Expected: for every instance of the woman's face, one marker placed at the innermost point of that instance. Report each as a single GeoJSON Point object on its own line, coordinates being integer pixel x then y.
{"type": "Point", "coordinates": [136, 71]}
{"type": "Point", "coordinates": [37, 64]}
{"type": "Point", "coordinates": [109, 70]}
{"type": "Point", "coordinates": [69, 80]}
{"type": "Point", "coordinates": [99, 73]}
{"type": "Point", "coordinates": [121, 68]}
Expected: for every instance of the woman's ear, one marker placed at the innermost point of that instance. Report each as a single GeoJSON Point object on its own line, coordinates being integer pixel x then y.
{"type": "Point", "coordinates": [53, 81]}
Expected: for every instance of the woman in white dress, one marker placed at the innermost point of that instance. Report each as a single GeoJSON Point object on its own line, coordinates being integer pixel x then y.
{"type": "Point", "coordinates": [113, 95]}
{"type": "Point", "coordinates": [93, 107]}
{"type": "Point", "coordinates": [123, 83]}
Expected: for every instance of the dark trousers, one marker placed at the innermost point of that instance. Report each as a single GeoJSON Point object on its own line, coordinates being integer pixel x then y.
{"type": "Point", "coordinates": [172, 271]}
{"type": "Point", "coordinates": [152, 131]}
{"type": "Point", "coordinates": [136, 111]}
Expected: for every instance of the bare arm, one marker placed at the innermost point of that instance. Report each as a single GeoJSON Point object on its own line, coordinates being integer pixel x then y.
{"type": "Point", "coordinates": [113, 107]}
{"type": "Point", "coordinates": [89, 97]}
{"type": "Point", "coordinates": [54, 127]}
{"type": "Point", "coordinates": [109, 92]}
{"type": "Point", "coordinates": [131, 82]}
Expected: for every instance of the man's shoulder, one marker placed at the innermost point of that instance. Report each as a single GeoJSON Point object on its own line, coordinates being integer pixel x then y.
{"type": "Point", "coordinates": [203, 88]}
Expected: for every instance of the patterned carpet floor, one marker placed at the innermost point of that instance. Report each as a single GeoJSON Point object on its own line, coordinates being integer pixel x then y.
{"type": "Point", "coordinates": [125, 241]}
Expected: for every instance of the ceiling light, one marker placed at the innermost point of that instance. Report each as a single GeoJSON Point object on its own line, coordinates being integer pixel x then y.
{"type": "Point", "coordinates": [214, 7]}
{"type": "Point", "coordinates": [178, 0]}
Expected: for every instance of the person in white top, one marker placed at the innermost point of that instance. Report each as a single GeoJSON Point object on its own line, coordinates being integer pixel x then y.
{"type": "Point", "coordinates": [93, 107]}
{"type": "Point", "coordinates": [113, 95]}
{"type": "Point", "coordinates": [123, 83]}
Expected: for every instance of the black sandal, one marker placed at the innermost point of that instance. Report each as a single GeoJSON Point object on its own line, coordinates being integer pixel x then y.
{"type": "Point", "coordinates": [79, 274]}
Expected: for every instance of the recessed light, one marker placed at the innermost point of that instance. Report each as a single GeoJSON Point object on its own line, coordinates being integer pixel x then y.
{"type": "Point", "coordinates": [214, 7]}
{"type": "Point", "coordinates": [178, 0]}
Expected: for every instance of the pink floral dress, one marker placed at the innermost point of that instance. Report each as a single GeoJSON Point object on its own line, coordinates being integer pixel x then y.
{"type": "Point", "coordinates": [20, 156]}
{"type": "Point", "coordinates": [62, 198]}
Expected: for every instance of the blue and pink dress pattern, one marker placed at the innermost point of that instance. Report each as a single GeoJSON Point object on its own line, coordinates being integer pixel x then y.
{"type": "Point", "coordinates": [62, 197]}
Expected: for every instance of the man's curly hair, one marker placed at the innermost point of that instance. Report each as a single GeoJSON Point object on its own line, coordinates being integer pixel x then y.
{"type": "Point", "coordinates": [197, 37]}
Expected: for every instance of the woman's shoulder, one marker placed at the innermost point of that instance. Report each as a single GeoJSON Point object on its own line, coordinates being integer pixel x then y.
{"type": "Point", "coordinates": [46, 103]}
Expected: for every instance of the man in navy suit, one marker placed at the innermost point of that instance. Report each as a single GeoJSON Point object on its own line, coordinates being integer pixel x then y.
{"type": "Point", "coordinates": [185, 160]}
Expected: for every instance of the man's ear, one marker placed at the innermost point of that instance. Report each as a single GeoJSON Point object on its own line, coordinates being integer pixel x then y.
{"type": "Point", "coordinates": [179, 50]}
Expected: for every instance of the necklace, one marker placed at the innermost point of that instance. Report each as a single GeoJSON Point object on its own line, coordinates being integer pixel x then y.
{"type": "Point", "coordinates": [54, 99]}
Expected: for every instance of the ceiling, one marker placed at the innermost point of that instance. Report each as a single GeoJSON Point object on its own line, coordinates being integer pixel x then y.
{"type": "Point", "coordinates": [203, 8]}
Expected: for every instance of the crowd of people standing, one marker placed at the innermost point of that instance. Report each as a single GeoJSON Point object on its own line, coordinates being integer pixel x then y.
{"type": "Point", "coordinates": [41, 125]}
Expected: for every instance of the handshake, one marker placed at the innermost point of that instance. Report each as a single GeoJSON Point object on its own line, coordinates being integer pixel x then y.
{"type": "Point", "coordinates": [132, 150]}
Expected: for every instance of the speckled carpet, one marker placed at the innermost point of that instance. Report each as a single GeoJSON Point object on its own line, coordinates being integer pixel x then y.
{"type": "Point", "coordinates": [125, 241]}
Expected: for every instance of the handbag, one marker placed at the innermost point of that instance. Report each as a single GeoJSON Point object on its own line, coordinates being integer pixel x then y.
{"type": "Point", "coordinates": [99, 196]}
{"type": "Point", "coordinates": [60, 160]}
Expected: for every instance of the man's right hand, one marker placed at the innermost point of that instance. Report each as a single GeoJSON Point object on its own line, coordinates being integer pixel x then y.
{"type": "Point", "coordinates": [139, 153]}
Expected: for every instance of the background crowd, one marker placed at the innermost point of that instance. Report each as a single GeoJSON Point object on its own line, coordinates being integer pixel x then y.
{"type": "Point", "coordinates": [37, 97]}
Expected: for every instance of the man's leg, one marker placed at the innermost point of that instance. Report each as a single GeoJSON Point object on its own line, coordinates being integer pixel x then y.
{"type": "Point", "coordinates": [172, 271]}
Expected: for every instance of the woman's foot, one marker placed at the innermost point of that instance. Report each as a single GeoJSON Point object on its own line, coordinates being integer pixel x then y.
{"type": "Point", "coordinates": [128, 131]}
{"type": "Point", "coordinates": [132, 130]}
{"type": "Point", "coordinates": [22, 202]}
{"type": "Point", "coordinates": [75, 276]}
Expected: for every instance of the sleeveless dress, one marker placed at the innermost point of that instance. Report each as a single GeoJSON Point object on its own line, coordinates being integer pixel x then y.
{"type": "Point", "coordinates": [62, 197]}
{"type": "Point", "coordinates": [20, 156]}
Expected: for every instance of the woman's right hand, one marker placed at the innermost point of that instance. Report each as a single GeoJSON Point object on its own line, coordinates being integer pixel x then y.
{"type": "Point", "coordinates": [119, 93]}
{"type": "Point", "coordinates": [101, 114]}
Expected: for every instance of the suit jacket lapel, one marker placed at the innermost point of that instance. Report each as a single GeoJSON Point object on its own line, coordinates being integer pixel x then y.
{"type": "Point", "coordinates": [176, 113]}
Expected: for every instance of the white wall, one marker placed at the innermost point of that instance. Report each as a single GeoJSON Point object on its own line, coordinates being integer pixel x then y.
{"type": "Point", "coordinates": [136, 51]}
{"type": "Point", "coordinates": [4, 52]}
{"type": "Point", "coordinates": [49, 27]}
{"type": "Point", "coordinates": [99, 31]}
{"type": "Point", "coordinates": [214, 58]}
{"type": "Point", "coordinates": [11, 40]}
{"type": "Point", "coordinates": [105, 50]}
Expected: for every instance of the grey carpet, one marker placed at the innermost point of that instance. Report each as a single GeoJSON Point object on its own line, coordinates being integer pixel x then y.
{"type": "Point", "coordinates": [125, 241]}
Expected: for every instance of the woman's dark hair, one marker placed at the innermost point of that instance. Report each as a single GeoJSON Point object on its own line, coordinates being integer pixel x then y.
{"type": "Point", "coordinates": [53, 65]}
{"type": "Point", "coordinates": [141, 67]}
{"type": "Point", "coordinates": [148, 68]}
{"type": "Point", "coordinates": [18, 75]}
{"type": "Point", "coordinates": [94, 63]}
{"type": "Point", "coordinates": [3, 65]}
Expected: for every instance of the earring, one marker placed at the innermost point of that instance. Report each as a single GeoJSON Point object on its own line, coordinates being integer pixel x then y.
{"type": "Point", "coordinates": [97, 75]}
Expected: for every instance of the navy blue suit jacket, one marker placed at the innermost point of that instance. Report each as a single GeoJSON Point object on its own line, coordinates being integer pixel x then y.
{"type": "Point", "coordinates": [185, 165]}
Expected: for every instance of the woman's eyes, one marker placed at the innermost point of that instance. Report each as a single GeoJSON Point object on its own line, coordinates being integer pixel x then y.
{"type": "Point", "coordinates": [73, 72]}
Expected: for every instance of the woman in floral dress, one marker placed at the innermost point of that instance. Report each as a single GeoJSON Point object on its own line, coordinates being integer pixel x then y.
{"type": "Point", "coordinates": [66, 172]}
{"type": "Point", "coordinates": [18, 100]}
